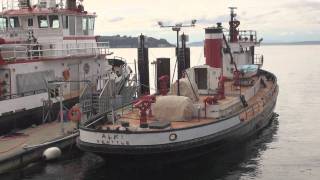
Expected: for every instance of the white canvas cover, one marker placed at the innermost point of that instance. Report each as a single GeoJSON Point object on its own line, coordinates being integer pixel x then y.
{"type": "Point", "coordinates": [172, 108]}
{"type": "Point", "coordinates": [187, 89]}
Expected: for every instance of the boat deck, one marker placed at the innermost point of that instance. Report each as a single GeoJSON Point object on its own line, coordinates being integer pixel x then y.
{"type": "Point", "coordinates": [11, 145]}
{"type": "Point", "coordinates": [255, 105]}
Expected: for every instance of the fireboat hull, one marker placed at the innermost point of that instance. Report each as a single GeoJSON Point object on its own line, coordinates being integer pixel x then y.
{"type": "Point", "coordinates": [176, 152]}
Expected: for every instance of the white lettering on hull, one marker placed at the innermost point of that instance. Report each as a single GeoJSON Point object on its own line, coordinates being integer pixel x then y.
{"type": "Point", "coordinates": [143, 139]}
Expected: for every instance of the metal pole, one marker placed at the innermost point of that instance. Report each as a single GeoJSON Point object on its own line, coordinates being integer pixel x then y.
{"type": "Point", "coordinates": [178, 62]}
{"type": "Point", "coordinates": [61, 110]}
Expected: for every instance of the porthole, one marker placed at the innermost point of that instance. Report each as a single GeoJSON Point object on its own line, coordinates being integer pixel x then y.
{"type": "Point", "coordinates": [173, 137]}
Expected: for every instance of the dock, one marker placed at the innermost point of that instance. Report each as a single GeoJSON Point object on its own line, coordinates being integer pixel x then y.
{"type": "Point", "coordinates": [26, 146]}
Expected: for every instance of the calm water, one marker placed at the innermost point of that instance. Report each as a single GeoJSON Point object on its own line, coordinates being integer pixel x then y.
{"type": "Point", "coordinates": [288, 149]}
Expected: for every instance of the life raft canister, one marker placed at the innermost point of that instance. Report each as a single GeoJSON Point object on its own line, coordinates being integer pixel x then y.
{"type": "Point", "coordinates": [74, 114]}
{"type": "Point", "coordinates": [66, 74]}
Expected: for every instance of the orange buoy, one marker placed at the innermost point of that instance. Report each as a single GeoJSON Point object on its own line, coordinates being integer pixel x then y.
{"type": "Point", "coordinates": [74, 114]}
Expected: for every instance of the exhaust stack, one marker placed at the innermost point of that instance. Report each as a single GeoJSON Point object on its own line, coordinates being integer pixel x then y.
{"type": "Point", "coordinates": [213, 47]}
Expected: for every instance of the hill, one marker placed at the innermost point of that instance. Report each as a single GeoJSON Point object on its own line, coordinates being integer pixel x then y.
{"type": "Point", "coordinates": [132, 42]}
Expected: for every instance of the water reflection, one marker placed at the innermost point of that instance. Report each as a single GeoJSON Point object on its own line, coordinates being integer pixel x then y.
{"type": "Point", "coordinates": [229, 163]}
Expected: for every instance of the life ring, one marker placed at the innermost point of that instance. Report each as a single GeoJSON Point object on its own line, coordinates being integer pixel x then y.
{"type": "Point", "coordinates": [74, 114]}
{"type": "Point", "coordinates": [66, 74]}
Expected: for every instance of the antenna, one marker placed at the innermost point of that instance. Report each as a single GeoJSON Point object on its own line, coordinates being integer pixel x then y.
{"type": "Point", "coordinates": [177, 27]}
{"type": "Point", "coordinates": [233, 14]}
{"type": "Point", "coordinates": [61, 4]}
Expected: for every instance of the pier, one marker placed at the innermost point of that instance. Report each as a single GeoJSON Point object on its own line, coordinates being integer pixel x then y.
{"type": "Point", "coordinates": [26, 146]}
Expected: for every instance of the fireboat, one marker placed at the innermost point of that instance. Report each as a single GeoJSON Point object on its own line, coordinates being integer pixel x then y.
{"type": "Point", "coordinates": [226, 100]}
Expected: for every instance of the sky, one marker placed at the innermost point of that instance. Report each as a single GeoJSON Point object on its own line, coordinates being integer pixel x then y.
{"type": "Point", "coordinates": [275, 20]}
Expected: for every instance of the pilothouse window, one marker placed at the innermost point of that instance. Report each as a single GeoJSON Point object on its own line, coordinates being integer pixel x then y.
{"type": "Point", "coordinates": [54, 21]}
{"type": "Point", "coordinates": [91, 23]}
{"type": "Point", "coordinates": [14, 22]}
{"type": "Point", "coordinates": [84, 24]}
{"type": "Point", "coordinates": [3, 23]}
{"type": "Point", "coordinates": [43, 21]}
{"type": "Point", "coordinates": [65, 22]}
{"type": "Point", "coordinates": [201, 78]}
{"type": "Point", "coordinates": [30, 22]}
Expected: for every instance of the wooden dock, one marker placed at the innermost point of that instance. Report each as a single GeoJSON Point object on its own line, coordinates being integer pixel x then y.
{"type": "Point", "coordinates": [26, 146]}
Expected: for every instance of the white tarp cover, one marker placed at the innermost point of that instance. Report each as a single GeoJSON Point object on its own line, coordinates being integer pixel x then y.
{"type": "Point", "coordinates": [187, 89]}
{"type": "Point", "coordinates": [173, 108]}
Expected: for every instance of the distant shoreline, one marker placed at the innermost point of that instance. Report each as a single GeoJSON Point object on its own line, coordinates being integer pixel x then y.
{"type": "Point", "coordinates": [200, 44]}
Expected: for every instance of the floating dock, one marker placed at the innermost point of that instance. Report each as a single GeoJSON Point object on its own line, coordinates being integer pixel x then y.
{"type": "Point", "coordinates": [26, 146]}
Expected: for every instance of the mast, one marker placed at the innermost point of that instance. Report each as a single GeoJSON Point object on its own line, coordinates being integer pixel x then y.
{"type": "Point", "coordinates": [177, 27]}
{"type": "Point", "coordinates": [234, 24]}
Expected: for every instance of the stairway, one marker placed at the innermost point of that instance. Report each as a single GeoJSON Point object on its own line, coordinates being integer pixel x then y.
{"type": "Point", "coordinates": [95, 102]}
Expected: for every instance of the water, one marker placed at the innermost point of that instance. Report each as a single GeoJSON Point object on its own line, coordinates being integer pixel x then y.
{"type": "Point", "coordinates": [287, 149]}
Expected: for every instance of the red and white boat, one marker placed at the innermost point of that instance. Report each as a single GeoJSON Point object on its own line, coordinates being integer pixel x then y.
{"type": "Point", "coordinates": [41, 42]}
{"type": "Point", "coordinates": [212, 105]}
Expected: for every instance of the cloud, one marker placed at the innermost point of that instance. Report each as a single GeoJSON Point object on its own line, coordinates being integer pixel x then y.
{"type": "Point", "coordinates": [213, 20]}
{"type": "Point", "coordinates": [268, 18]}
{"type": "Point", "coordinates": [264, 15]}
{"type": "Point", "coordinates": [116, 19]}
{"type": "Point", "coordinates": [306, 5]}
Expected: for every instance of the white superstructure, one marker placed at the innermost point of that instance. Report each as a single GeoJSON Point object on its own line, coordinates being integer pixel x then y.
{"type": "Point", "coordinates": [46, 40]}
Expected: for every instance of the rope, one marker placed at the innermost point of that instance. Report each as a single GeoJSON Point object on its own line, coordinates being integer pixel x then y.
{"type": "Point", "coordinates": [194, 92]}
{"type": "Point", "coordinates": [174, 71]}
{"type": "Point", "coordinates": [201, 55]}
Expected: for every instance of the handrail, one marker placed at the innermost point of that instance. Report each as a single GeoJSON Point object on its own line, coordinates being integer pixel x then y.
{"type": "Point", "coordinates": [244, 35]}
{"type": "Point", "coordinates": [258, 59]}
{"type": "Point", "coordinates": [104, 88]}
{"type": "Point", "coordinates": [14, 4]}
{"type": "Point", "coordinates": [24, 94]}
{"type": "Point", "coordinates": [28, 51]}
{"type": "Point", "coordinates": [257, 105]}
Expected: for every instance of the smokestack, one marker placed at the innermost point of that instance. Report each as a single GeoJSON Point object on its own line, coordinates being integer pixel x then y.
{"type": "Point", "coordinates": [213, 47]}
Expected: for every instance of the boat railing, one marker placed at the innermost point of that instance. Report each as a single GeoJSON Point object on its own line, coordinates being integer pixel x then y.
{"type": "Point", "coordinates": [14, 52]}
{"type": "Point", "coordinates": [109, 98]}
{"type": "Point", "coordinates": [256, 108]}
{"type": "Point", "coordinates": [10, 33]}
{"type": "Point", "coordinates": [85, 99]}
{"type": "Point", "coordinates": [244, 36]}
{"type": "Point", "coordinates": [258, 59]}
{"type": "Point", "coordinates": [24, 94]}
{"type": "Point", "coordinates": [16, 4]}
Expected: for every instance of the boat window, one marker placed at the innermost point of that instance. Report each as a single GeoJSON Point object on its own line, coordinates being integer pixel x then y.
{"type": "Point", "coordinates": [54, 21]}
{"type": "Point", "coordinates": [201, 78]}
{"type": "Point", "coordinates": [79, 30]}
{"type": "Point", "coordinates": [72, 25]}
{"type": "Point", "coordinates": [30, 22]}
{"type": "Point", "coordinates": [91, 23]}
{"type": "Point", "coordinates": [14, 22]}
{"type": "Point", "coordinates": [85, 26]}
{"type": "Point", "coordinates": [65, 22]}
{"type": "Point", "coordinates": [3, 23]}
{"type": "Point", "coordinates": [43, 21]}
